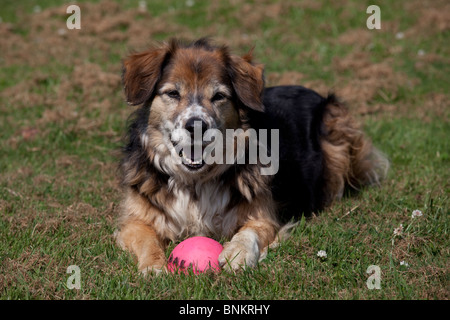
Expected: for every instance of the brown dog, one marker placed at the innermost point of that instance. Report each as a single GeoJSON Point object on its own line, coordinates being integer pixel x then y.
{"type": "Point", "coordinates": [172, 193]}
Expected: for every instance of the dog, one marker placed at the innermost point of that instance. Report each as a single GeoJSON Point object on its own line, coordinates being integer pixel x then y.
{"type": "Point", "coordinates": [171, 193]}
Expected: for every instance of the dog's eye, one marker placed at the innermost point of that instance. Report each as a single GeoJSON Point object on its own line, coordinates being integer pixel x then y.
{"type": "Point", "coordinates": [218, 97]}
{"type": "Point", "coordinates": [174, 94]}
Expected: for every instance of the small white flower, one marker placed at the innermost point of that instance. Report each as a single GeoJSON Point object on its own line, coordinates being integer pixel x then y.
{"type": "Point", "coordinates": [322, 254]}
{"type": "Point", "coordinates": [62, 31]}
{"type": "Point", "coordinates": [399, 35]}
{"type": "Point", "coordinates": [416, 213]}
{"type": "Point", "coordinates": [398, 231]}
{"type": "Point", "coordinates": [404, 263]}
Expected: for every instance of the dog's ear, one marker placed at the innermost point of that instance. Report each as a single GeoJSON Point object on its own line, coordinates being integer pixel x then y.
{"type": "Point", "coordinates": [141, 71]}
{"type": "Point", "coordinates": [248, 80]}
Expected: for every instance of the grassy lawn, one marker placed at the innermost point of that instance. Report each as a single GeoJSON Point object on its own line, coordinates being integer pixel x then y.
{"type": "Point", "coordinates": [62, 116]}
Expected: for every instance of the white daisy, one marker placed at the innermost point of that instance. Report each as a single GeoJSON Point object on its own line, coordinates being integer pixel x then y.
{"type": "Point", "coordinates": [322, 254]}
{"type": "Point", "coordinates": [399, 35]}
{"type": "Point", "coordinates": [404, 263]}
{"type": "Point", "coordinates": [416, 213]}
{"type": "Point", "coordinates": [398, 231]}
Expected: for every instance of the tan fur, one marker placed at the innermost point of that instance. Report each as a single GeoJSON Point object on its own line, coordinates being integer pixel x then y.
{"type": "Point", "coordinates": [265, 229]}
{"type": "Point", "coordinates": [142, 240]}
{"type": "Point", "coordinates": [350, 158]}
{"type": "Point", "coordinates": [141, 72]}
{"type": "Point", "coordinates": [248, 81]}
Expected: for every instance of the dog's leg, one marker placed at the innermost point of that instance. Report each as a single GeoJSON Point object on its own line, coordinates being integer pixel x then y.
{"type": "Point", "coordinates": [244, 249]}
{"type": "Point", "coordinates": [143, 242]}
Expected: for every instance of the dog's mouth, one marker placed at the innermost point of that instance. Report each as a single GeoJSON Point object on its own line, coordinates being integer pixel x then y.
{"type": "Point", "coordinates": [190, 161]}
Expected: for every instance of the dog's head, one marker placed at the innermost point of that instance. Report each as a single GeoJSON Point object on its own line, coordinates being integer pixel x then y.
{"type": "Point", "coordinates": [190, 89]}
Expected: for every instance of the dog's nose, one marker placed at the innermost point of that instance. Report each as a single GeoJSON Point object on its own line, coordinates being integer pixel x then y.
{"type": "Point", "coordinates": [194, 123]}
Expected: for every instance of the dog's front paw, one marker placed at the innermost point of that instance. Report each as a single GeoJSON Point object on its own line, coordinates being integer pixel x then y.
{"type": "Point", "coordinates": [152, 271]}
{"type": "Point", "coordinates": [241, 252]}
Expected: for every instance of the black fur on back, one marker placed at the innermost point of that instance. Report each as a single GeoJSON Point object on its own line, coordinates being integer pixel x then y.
{"type": "Point", "coordinates": [297, 112]}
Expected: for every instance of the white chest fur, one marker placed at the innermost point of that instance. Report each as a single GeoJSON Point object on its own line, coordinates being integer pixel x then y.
{"type": "Point", "coordinates": [203, 212]}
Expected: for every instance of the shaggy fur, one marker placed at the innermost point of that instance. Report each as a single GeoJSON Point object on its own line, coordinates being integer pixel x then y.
{"type": "Point", "coordinates": [322, 151]}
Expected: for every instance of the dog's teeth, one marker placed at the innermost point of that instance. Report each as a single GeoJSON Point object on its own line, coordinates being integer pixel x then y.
{"type": "Point", "coordinates": [188, 160]}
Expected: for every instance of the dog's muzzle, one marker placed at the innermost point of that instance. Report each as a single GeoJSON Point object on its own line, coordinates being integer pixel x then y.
{"type": "Point", "coordinates": [192, 145]}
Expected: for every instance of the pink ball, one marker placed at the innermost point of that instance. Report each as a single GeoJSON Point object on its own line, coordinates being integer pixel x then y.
{"type": "Point", "coordinates": [197, 253]}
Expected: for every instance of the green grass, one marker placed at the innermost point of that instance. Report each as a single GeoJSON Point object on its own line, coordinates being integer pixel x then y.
{"type": "Point", "coordinates": [59, 192]}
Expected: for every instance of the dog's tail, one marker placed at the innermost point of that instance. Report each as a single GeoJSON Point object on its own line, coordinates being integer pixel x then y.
{"type": "Point", "coordinates": [349, 156]}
